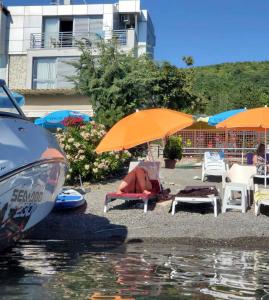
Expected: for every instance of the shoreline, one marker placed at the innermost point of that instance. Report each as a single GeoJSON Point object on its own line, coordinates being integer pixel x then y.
{"type": "Point", "coordinates": [125, 221]}
{"type": "Point", "coordinates": [244, 243]}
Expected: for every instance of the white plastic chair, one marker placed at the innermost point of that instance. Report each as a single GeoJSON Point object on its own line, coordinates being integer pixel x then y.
{"type": "Point", "coordinates": [240, 180]}
{"type": "Point", "coordinates": [213, 165]}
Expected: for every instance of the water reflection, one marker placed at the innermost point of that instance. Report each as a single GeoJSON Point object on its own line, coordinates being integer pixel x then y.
{"type": "Point", "coordinates": [60, 270]}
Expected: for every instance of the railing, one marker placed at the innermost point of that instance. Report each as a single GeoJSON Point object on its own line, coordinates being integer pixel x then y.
{"type": "Point", "coordinates": [235, 144]}
{"type": "Point", "coordinates": [72, 39]}
{"type": "Point", "coordinates": [119, 35]}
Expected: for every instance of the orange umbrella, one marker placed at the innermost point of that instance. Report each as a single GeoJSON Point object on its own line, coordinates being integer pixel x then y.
{"type": "Point", "coordinates": [143, 126]}
{"type": "Point", "coordinates": [253, 119]}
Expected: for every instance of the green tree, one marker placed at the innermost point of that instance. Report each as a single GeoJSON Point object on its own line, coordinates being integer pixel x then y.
{"type": "Point", "coordinates": [118, 84]}
{"type": "Point", "coordinates": [173, 88]}
{"type": "Point", "coordinates": [188, 60]}
{"type": "Point", "coordinates": [232, 85]}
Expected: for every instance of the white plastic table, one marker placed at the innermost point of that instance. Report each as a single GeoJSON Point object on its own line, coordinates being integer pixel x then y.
{"type": "Point", "coordinates": [210, 198]}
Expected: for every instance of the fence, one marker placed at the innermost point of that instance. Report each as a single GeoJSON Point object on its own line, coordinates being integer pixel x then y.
{"type": "Point", "coordinates": [235, 144]}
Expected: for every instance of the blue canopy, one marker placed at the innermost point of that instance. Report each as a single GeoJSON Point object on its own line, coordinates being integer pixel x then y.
{"type": "Point", "coordinates": [6, 103]}
{"type": "Point", "coordinates": [54, 119]}
{"type": "Point", "coordinates": [19, 98]}
{"type": "Point", "coordinates": [216, 119]}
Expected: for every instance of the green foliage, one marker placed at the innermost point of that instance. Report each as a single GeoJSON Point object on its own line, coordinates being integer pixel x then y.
{"type": "Point", "coordinates": [173, 89]}
{"type": "Point", "coordinates": [232, 85]}
{"type": "Point", "coordinates": [79, 143]}
{"type": "Point", "coordinates": [173, 148]}
{"type": "Point", "coordinates": [117, 84]}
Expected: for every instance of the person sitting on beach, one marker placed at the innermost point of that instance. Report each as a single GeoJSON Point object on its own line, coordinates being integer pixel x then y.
{"type": "Point", "coordinates": [259, 159]}
{"type": "Point", "coordinates": [136, 181]}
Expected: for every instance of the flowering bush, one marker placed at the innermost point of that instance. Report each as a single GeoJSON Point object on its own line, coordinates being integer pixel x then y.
{"type": "Point", "coordinates": [79, 143]}
{"type": "Point", "coordinates": [71, 121]}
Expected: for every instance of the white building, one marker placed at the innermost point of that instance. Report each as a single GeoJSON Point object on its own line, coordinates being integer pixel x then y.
{"type": "Point", "coordinates": [37, 42]}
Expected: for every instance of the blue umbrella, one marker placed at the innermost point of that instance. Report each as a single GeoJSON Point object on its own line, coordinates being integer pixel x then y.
{"type": "Point", "coordinates": [214, 120]}
{"type": "Point", "coordinates": [5, 102]}
{"type": "Point", "coordinates": [19, 98]}
{"type": "Point", "coordinates": [54, 119]}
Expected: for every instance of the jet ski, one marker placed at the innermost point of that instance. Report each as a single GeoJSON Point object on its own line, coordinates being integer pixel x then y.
{"type": "Point", "coordinates": [32, 171]}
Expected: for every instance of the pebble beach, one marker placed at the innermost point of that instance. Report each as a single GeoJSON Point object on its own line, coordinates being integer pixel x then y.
{"type": "Point", "coordinates": [127, 222]}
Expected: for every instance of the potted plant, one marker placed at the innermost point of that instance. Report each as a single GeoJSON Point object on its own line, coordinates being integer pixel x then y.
{"type": "Point", "coordinates": [172, 151]}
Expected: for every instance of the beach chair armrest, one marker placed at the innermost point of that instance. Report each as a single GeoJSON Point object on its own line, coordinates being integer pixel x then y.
{"type": "Point", "coordinates": [251, 183]}
{"type": "Point", "coordinates": [224, 177]}
{"type": "Point", "coordinates": [256, 188]}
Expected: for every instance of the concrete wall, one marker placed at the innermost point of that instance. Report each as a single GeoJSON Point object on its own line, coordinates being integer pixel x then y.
{"type": "Point", "coordinates": [40, 105]}
{"type": "Point", "coordinates": [17, 71]}
{"type": "Point", "coordinates": [129, 6]}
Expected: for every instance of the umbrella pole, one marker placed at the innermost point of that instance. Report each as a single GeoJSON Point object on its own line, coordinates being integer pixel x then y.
{"type": "Point", "coordinates": [265, 163]}
{"type": "Point", "coordinates": [150, 155]}
{"type": "Point", "coordinates": [243, 146]}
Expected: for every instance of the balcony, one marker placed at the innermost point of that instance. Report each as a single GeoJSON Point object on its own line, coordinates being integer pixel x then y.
{"type": "Point", "coordinates": [72, 39]}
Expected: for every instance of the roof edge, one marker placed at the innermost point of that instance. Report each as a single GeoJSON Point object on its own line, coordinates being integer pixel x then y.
{"type": "Point", "coordinates": [51, 92]}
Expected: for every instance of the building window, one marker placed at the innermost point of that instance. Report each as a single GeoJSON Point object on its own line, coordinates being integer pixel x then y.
{"type": "Point", "coordinates": [60, 32]}
{"type": "Point", "coordinates": [53, 72]}
{"type": "Point", "coordinates": [44, 73]}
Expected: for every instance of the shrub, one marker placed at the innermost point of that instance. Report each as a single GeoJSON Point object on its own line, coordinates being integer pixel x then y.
{"type": "Point", "coordinates": [173, 148]}
{"type": "Point", "coordinates": [79, 143]}
{"type": "Point", "coordinates": [70, 121]}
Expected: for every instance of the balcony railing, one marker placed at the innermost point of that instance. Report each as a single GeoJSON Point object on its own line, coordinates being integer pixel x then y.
{"type": "Point", "coordinates": [119, 35]}
{"type": "Point", "coordinates": [72, 39]}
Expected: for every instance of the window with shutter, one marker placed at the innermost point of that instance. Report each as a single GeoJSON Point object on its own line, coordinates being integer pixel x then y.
{"type": "Point", "coordinates": [81, 24]}
{"type": "Point", "coordinates": [44, 73]}
{"type": "Point", "coordinates": [96, 25]}
{"type": "Point", "coordinates": [53, 72]}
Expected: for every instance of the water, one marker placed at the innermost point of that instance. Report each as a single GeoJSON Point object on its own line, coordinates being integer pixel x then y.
{"type": "Point", "coordinates": [60, 270]}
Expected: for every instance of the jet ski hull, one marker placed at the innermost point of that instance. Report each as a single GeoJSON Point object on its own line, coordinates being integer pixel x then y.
{"type": "Point", "coordinates": [27, 196]}
{"type": "Point", "coordinates": [32, 171]}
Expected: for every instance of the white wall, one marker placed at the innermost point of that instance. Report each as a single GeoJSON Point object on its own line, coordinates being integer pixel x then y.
{"type": "Point", "coordinates": [146, 35]}
{"type": "Point", "coordinates": [129, 6]}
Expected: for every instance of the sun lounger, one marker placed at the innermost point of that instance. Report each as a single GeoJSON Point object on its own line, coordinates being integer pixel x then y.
{"type": "Point", "coordinates": [261, 197]}
{"type": "Point", "coordinates": [153, 169]}
{"type": "Point", "coordinates": [197, 195]}
{"type": "Point", "coordinates": [213, 164]}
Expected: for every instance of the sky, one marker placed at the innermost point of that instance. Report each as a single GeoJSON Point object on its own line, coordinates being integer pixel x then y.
{"type": "Point", "coordinates": [211, 31]}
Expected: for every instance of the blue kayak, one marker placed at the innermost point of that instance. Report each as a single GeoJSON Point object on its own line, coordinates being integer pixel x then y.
{"type": "Point", "coordinates": [68, 199]}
